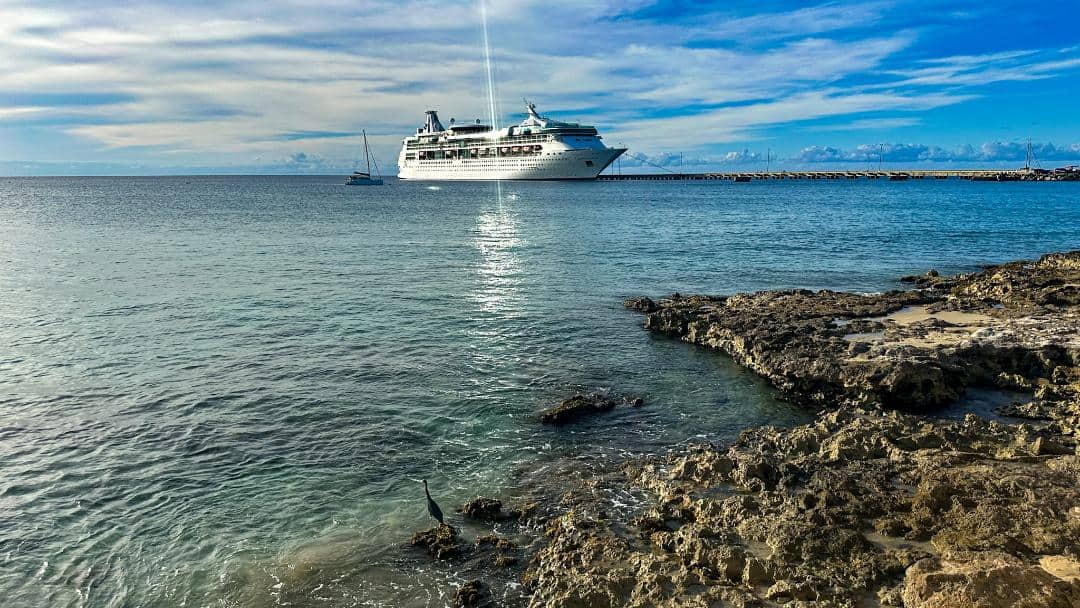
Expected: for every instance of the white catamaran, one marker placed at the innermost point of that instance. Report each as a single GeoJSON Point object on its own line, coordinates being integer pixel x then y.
{"type": "Point", "coordinates": [538, 148]}
{"type": "Point", "coordinates": [361, 178]}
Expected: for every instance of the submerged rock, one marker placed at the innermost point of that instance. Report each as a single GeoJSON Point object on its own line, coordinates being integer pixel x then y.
{"type": "Point", "coordinates": [577, 407]}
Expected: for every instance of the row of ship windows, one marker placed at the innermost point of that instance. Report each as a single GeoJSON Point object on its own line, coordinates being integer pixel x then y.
{"type": "Point", "coordinates": [477, 153]}
{"type": "Point", "coordinates": [483, 163]}
{"type": "Point", "coordinates": [493, 159]}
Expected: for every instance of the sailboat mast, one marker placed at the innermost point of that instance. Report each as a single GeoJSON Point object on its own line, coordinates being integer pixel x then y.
{"type": "Point", "coordinates": [367, 156]}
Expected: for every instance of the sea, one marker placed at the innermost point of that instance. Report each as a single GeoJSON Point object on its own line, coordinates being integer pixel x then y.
{"type": "Point", "coordinates": [225, 391]}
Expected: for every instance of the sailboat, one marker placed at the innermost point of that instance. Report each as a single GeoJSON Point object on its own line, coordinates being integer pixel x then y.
{"type": "Point", "coordinates": [361, 178]}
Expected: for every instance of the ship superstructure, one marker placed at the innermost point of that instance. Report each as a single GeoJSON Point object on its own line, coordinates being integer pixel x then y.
{"type": "Point", "coordinates": [537, 148]}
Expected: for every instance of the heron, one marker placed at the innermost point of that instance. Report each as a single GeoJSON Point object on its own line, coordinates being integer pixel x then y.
{"type": "Point", "coordinates": [432, 507]}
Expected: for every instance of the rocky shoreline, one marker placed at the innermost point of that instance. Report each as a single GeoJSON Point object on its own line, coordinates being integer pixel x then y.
{"type": "Point", "coordinates": [872, 504]}
{"type": "Point", "coordinates": [859, 508]}
{"type": "Point", "coordinates": [1011, 326]}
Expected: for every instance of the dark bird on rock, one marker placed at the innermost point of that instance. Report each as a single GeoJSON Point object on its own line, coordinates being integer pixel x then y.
{"type": "Point", "coordinates": [432, 508]}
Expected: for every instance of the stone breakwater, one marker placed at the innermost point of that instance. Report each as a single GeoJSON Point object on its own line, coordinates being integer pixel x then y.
{"type": "Point", "coordinates": [871, 504]}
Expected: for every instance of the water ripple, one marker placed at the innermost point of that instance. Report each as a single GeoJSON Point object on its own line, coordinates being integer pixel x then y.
{"type": "Point", "coordinates": [221, 391]}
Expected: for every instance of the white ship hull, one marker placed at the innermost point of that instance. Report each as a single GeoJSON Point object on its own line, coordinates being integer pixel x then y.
{"type": "Point", "coordinates": [538, 148]}
{"type": "Point", "coordinates": [564, 164]}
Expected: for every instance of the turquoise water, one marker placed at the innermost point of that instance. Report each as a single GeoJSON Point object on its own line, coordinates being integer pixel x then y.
{"type": "Point", "coordinates": [223, 391]}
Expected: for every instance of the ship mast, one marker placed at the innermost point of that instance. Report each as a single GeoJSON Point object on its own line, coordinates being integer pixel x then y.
{"type": "Point", "coordinates": [367, 154]}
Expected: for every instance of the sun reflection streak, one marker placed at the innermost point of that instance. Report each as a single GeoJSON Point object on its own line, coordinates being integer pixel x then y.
{"type": "Point", "coordinates": [499, 271]}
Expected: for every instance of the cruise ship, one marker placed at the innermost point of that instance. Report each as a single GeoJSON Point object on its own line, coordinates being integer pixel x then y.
{"type": "Point", "coordinates": [538, 148]}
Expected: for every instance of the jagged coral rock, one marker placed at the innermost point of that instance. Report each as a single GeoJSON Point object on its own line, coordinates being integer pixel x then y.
{"type": "Point", "coordinates": [791, 515]}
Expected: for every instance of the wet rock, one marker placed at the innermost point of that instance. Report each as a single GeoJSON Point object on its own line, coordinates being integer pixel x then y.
{"type": "Point", "coordinates": [471, 595]}
{"type": "Point", "coordinates": [577, 407]}
{"type": "Point", "coordinates": [526, 511]}
{"type": "Point", "coordinates": [440, 542]}
{"type": "Point", "coordinates": [931, 280]}
{"type": "Point", "coordinates": [496, 541]}
{"type": "Point", "coordinates": [641, 304]}
{"type": "Point", "coordinates": [488, 509]}
{"type": "Point", "coordinates": [504, 550]}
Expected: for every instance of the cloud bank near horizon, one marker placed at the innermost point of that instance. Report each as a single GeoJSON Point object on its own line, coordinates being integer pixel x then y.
{"type": "Point", "coordinates": [990, 152]}
{"type": "Point", "coordinates": [257, 84]}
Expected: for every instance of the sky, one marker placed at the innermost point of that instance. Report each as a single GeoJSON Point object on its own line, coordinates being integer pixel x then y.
{"type": "Point", "coordinates": [286, 86]}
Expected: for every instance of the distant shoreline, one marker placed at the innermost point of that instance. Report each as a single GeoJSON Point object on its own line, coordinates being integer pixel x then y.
{"type": "Point", "coordinates": [1068, 174]}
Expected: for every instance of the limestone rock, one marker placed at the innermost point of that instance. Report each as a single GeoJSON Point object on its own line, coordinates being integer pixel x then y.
{"type": "Point", "coordinates": [985, 581]}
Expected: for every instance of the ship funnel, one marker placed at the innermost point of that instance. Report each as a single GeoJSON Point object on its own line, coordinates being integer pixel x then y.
{"type": "Point", "coordinates": [431, 123]}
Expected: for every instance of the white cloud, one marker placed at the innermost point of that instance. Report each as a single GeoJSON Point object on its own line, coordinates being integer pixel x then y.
{"type": "Point", "coordinates": [16, 111]}
{"type": "Point", "coordinates": [977, 70]}
{"type": "Point", "coordinates": [805, 21]}
{"type": "Point", "coordinates": [223, 83]}
{"type": "Point", "coordinates": [738, 123]}
{"type": "Point", "coordinates": [869, 124]}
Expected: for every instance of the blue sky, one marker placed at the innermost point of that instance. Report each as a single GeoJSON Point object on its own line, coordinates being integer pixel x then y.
{"type": "Point", "coordinates": [286, 85]}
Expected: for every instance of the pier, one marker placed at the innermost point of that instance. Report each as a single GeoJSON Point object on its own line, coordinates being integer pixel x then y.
{"type": "Point", "coordinates": [999, 175]}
